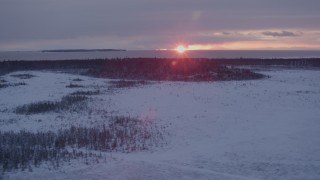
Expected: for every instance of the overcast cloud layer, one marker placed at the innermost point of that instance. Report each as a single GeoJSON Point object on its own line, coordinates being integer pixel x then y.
{"type": "Point", "coordinates": [151, 24]}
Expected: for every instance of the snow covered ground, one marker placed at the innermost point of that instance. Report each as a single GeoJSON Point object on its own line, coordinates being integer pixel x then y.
{"type": "Point", "coordinates": [257, 129]}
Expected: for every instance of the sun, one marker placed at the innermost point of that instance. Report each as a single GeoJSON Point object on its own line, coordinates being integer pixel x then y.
{"type": "Point", "coordinates": [181, 49]}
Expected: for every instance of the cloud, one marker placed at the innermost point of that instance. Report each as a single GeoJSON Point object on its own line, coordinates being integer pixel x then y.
{"type": "Point", "coordinates": [153, 24]}
{"type": "Point", "coordinates": [281, 34]}
{"type": "Point", "coordinates": [226, 33]}
{"type": "Point", "coordinates": [255, 45]}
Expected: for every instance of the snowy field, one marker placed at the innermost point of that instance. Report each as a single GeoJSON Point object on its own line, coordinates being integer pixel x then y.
{"type": "Point", "coordinates": [257, 129]}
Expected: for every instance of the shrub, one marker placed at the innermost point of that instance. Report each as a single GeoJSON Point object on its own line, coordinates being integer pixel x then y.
{"type": "Point", "coordinates": [77, 79]}
{"type": "Point", "coordinates": [23, 76]}
{"type": "Point", "coordinates": [3, 81]}
{"type": "Point", "coordinates": [86, 93]}
{"type": "Point", "coordinates": [20, 150]}
{"type": "Point", "coordinates": [126, 84]}
{"type": "Point", "coordinates": [38, 107]}
{"type": "Point", "coordinates": [47, 106]}
{"type": "Point", "coordinates": [71, 85]}
{"type": "Point", "coordinates": [14, 84]}
{"type": "Point", "coordinates": [4, 85]}
{"type": "Point", "coordinates": [71, 99]}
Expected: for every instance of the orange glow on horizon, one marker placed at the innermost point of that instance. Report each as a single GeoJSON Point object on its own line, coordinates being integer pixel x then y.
{"type": "Point", "coordinates": [250, 45]}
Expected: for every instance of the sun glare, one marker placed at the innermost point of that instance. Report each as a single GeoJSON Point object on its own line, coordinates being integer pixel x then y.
{"type": "Point", "coordinates": [181, 49]}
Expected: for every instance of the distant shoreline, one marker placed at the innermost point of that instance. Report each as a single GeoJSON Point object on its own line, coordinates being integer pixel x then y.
{"type": "Point", "coordinates": [82, 50]}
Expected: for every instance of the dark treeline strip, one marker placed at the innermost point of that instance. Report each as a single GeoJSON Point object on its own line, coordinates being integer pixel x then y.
{"type": "Point", "coordinates": [159, 69]}
{"type": "Point", "coordinates": [139, 69]}
{"type": "Point", "coordinates": [96, 63]}
{"type": "Point", "coordinates": [21, 150]}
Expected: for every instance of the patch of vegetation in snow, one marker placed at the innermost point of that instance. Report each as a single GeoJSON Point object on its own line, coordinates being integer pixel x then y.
{"type": "Point", "coordinates": [24, 150]}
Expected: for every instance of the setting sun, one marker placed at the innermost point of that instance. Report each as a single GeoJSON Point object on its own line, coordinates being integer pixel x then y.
{"type": "Point", "coordinates": [181, 49]}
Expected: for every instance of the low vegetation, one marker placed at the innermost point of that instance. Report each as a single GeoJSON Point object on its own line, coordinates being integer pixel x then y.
{"type": "Point", "coordinates": [3, 81]}
{"type": "Point", "coordinates": [24, 150]}
{"type": "Point", "coordinates": [126, 84]}
{"type": "Point", "coordinates": [71, 85]}
{"type": "Point", "coordinates": [23, 76]}
{"type": "Point", "coordinates": [85, 93]}
{"type": "Point", "coordinates": [5, 85]}
{"type": "Point", "coordinates": [77, 79]}
{"type": "Point", "coordinates": [46, 106]}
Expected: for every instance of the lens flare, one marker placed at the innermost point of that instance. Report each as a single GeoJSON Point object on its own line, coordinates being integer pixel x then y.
{"type": "Point", "coordinates": [181, 49]}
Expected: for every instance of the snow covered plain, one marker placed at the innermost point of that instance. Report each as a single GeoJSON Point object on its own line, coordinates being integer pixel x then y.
{"type": "Point", "coordinates": [257, 129]}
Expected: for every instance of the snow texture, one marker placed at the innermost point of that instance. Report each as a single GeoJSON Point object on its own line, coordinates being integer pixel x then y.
{"type": "Point", "coordinates": [257, 129]}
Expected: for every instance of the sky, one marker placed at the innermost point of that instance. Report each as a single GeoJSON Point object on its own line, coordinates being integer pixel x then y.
{"type": "Point", "coordinates": [160, 24]}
